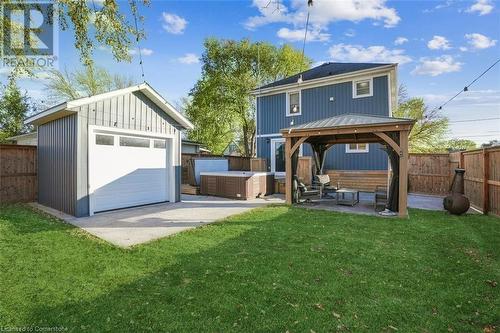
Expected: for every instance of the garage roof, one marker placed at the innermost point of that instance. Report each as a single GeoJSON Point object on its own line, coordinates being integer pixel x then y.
{"type": "Point", "coordinates": [64, 109]}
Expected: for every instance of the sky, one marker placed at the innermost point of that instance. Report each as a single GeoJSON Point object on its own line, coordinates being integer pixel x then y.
{"type": "Point", "coordinates": [440, 46]}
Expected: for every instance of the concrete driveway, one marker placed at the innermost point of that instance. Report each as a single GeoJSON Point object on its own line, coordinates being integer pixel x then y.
{"type": "Point", "coordinates": [132, 226]}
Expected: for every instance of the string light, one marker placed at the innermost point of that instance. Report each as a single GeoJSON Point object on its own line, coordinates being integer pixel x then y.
{"type": "Point", "coordinates": [466, 88]}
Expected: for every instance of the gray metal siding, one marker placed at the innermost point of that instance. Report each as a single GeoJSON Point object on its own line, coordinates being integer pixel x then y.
{"type": "Point", "coordinates": [57, 152]}
{"type": "Point", "coordinates": [316, 105]}
{"type": "Point", "coordinates": [132, 111]}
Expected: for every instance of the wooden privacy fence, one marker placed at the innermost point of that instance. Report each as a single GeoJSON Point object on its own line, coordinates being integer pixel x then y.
{"type": "Point", "coordinates": [430, 173]}
{"type": "Point", "coordinates": [433, 174]}
{"type": "Point", "coordinates": [482, 178]}
{"type": "Point", "coordinates": [18, 178]}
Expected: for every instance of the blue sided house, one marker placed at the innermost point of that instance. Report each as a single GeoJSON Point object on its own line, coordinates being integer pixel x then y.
{"type": "Point", "coordinates": [328, 90]}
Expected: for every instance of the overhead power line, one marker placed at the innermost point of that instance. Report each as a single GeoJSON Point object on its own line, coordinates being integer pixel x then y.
{"type": "Point", "coordinates": [477, 136]}
{"type": "Point", "coordinates": [135, 12]}
{"type": "Point", "coordinates": [466, 88]}
{"type": "Point", "coordinates": [309, 4]}
{"type": "Point", "coordinates": [471, 120]}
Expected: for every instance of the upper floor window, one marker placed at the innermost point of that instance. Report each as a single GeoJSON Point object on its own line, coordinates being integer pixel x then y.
{"type": "Point", "coordinates": [293, 103]}
{"type": "Point", "coordinates": [356, 148]}
{"type": "Point", "coordinates": [362, 88]}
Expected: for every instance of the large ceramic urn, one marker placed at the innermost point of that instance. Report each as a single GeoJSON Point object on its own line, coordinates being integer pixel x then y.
{"type": "Point", "coordinates": [457, 203]}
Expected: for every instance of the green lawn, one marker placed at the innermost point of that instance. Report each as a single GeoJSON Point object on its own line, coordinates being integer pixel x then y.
{"type": "Point", "coordinates": [273, 269]}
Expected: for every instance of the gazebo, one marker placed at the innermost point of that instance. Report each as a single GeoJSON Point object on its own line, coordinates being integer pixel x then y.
{"type": "Point", "coordinates": [349, 129]}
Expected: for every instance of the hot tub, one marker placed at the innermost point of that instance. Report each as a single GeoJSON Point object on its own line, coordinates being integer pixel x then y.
{"type": "Point", "coordinates": [237, 184]}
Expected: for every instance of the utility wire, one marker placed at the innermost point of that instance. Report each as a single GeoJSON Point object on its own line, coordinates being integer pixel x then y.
{"type": "Point", "coordinates": [471, 120]}
{"type": "Point", "coordinates": [466, 88]}
{"type": "Point", "coordinates": [476, 136]}
{"type": "Point", "coordinates": [309, 4]}
{"type": "Point", "coordinates": [135, 12]}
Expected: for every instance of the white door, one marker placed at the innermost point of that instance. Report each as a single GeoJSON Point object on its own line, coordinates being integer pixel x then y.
{"type": "Point", "coordinates": [126, 170]}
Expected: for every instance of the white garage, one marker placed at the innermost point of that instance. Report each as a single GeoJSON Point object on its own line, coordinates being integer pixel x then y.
{"type": "Point", "coordinates": [116, 180]}
{"type": "Point", "coordinates": [110, 151]}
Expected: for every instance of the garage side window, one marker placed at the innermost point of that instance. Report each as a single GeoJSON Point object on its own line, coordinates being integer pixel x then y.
{"type": "Point", "coordinates": [134, 142]}
{"type": "Point", "coordinates": [159, 143]}
{"type": "Point", "coordinates": [104, 140]}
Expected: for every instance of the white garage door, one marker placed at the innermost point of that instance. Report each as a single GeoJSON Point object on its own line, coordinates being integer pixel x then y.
{"type": "Point", "coordinates": [126, 170]}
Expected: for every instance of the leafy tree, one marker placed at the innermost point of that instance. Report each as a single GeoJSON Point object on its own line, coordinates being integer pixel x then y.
{"type": "Point", "coordinates": [82, 83]}
{"type": "Point", "coordinates": [430, 127]}
{"type": "Point", "coordinates": [491, 143]}
{"type": "Point", "coordinates": [93, 23]}
{"type": "Point", "coordinates": [459, 145]}
{"type": "Point", "coordinates": [15, 106]}
{"type": "Point", "coordinates": [221, 107]}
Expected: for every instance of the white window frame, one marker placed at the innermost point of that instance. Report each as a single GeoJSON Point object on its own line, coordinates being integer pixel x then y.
{"type": "Point", "coordinates": [273, 162]}
{"type": "Point", "coordinates": [357, 150]}
{"type": "Point", "coordinates": [355, 91]}
{"type": "Point", "coordinates": [288, 114]}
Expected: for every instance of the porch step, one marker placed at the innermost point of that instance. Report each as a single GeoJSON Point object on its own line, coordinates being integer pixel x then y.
{"type": "Point", "coordinates": [190, 189]}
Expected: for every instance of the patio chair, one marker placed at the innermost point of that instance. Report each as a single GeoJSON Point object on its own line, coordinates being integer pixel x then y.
{"type": "Point", "coordinates": [302, 192]}
{"type": "Point", "coordinates": [380, 198]}
{"type": "Point", "coordinates": [324, 184]}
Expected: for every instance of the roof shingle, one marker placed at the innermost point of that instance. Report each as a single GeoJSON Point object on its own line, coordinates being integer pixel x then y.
{"type": "Point", "coordinates": [324, 70]}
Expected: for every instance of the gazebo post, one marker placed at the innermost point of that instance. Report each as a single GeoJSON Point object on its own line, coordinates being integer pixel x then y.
{"type": "Point", "coordinates": [403, 173]}
{"type": "Point", "coordinates": [288, 170]}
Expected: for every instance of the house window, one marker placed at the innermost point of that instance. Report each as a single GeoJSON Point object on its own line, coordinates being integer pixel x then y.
{"type": "Point", "coordinates": [104, 140]}
{"type": "Point", "coordinates": [134, 142]}
{"type": "Point", "coordinates": [362, 88]}
{"type": "Point", "coordinates": [293, 103]}
{"type": "Point", "coordinates": [356, 148]}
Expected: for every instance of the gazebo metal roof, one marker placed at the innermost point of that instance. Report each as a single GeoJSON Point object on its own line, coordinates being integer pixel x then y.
{"type": "Point", "coordinates": [349, 120]}
{"type": "Point", "coordinates": [349, 129]}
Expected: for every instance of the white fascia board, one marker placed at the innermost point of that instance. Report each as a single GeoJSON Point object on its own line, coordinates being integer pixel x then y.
{"type": "Point", "coordinates": [322, 81]}
{"type": "Point", "coordinates": [143, 87]}
{"type": "Point", "coordinates": [33, 119]}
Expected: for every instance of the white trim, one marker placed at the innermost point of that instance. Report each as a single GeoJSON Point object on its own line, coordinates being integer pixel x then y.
{"type": "Point", "coordinates": [170, 163]}
{"type": "Point", "coordinates": [143, 87]}
{"type": "Point", "coordinates": [378, 71]}
{"type": "Point", "coordinates": [256, 127]}
{"type": "Point", "coordinates": [287, 111]}
{"type": "Point", "coordinates": [389, 93]}
{"type": "Point", "coordinates": [360, 80]}
{"type": "Point", "coordinates": [268, 135]}
{"type": "Point", "coordinates": [272, 151]}
{"type": "Point", "coordinates": [348, 149]}
{"type": "Point", "coordinates": [125, 132]}
{"type": "Point", "coordinates": [271, 155]}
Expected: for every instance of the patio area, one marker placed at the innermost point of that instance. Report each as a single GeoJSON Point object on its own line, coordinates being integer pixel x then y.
{"type": "Point", "coordinates": [366, 204]}
{"type": "Point", "coordinates": [132, 226]}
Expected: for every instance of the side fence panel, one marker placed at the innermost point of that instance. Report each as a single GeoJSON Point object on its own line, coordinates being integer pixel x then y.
{"type": "Point", "coordinates": [429, 173]}
{"type": "Point", "coordinates": [18, 178]}
{"type": "Point", "coordinates": [494, 181]}
{"type": "Point", "coordinates": [482, 179]}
